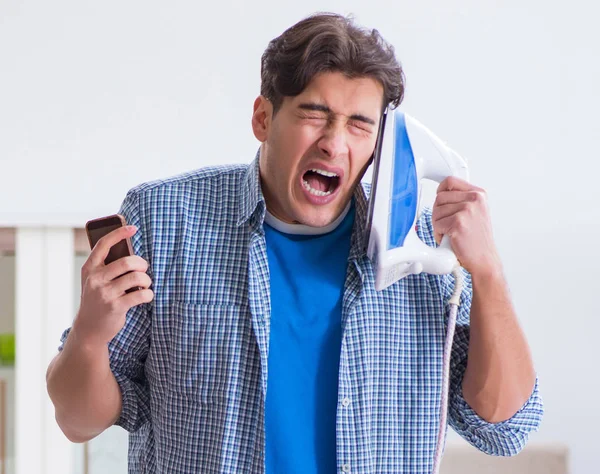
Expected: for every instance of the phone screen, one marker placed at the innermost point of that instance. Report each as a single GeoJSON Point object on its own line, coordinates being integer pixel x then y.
{"type": "Point", "coordinates": [99, 228]}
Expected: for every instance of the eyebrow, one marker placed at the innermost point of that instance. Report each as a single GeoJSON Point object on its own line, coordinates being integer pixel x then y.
{"type": "Point", "coordinates": [323, 108]}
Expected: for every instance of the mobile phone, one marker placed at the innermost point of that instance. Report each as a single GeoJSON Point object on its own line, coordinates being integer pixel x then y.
{"type": "Point", "coordinates": [98, 228]}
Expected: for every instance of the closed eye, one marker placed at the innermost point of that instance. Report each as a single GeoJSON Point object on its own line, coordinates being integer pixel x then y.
{"type": "Point", "coordinates": [313, 117]}
{"type": "Point", "coordinates": [361, 126]}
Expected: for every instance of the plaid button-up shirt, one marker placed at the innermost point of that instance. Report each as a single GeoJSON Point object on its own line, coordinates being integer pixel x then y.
{"type": "Point", "coordinates": [192, 365]}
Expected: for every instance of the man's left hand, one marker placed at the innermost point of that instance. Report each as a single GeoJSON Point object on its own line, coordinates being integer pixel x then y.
{"type": "Point", "coordinates": [461, 212]}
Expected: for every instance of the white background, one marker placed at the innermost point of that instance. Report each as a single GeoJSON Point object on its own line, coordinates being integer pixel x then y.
{"type": "Point", "coordinates": [96, 97]}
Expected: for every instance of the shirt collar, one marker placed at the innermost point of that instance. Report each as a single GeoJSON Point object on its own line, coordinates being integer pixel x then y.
{"type": "Point", "coordinates": [251, 202]}
{"type": "Point", "coordinates": [357, 243]}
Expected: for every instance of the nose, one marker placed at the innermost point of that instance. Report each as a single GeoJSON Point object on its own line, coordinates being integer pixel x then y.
{"type": "Point", "coordinates": [334, 141]}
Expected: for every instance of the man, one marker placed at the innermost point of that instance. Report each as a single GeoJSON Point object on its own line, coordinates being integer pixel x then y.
{"type": "Point", "coordinates": [263, 343]}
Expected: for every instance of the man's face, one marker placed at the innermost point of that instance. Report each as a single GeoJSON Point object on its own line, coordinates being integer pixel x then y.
{"type": "Point", "coordinates": [317, 147]}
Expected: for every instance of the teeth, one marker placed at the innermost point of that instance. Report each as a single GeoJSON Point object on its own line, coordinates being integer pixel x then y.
{"type": "Point", "coordinates": [316, 192]}
{"type": "Point", "coordinates": [325, 173]}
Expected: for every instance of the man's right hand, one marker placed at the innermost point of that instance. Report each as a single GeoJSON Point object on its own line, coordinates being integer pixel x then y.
{"type": "Point", "coordinates": [104, 301]}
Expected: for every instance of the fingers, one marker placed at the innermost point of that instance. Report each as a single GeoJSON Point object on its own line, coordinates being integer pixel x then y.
{"type": "Point", "coordinates": [450, 225]}
{"type": "Point", "coordinates": [442, 213]}
{"type": "Point", "coordinates": [452, 197]}
{"type": "Point", "coordinates": [443, 217]}
{"type": "Point", "coordinates": [453, 206]}
{"type": "Point", "coordinates": [136, 298]}
{"type": "Point", "coordinates": [445, 210]}
{"type": "Point", "coordinates": [100, 251]}
{"type": "Point", "coordinates": [452, 183]}
{"type": "Point", "coordinates": [124, 265]}
{"type": "Point", "coordinates": [130, 280]}
{"type": "Point", "coordinates": [455, 199]}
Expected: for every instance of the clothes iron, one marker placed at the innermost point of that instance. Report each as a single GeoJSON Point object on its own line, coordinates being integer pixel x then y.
{"type": "Point", "coordinates": [405, 154]}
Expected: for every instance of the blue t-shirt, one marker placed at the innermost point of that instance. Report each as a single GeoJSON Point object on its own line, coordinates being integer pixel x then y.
{"type": "Point", "coordinates": [307, 274]}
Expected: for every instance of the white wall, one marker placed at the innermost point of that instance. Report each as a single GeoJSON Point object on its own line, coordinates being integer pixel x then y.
{"type": "Point", "coordinates": [128, 91]}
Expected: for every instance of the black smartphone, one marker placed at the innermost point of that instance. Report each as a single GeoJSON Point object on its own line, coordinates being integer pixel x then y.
{"type": "Point", "coordinates": [98, 228]}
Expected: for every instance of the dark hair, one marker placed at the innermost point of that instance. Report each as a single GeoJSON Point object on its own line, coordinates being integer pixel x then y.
{"type": "Point", "coordinates": [328, 42]}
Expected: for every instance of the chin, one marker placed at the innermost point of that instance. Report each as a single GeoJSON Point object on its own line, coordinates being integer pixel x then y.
{"type": "Point", "coordinates": [319, 222]}
{"type": "Point", "coordinates": [318, 217]}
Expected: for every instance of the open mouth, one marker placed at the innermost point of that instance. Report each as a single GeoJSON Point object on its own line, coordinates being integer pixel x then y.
{"type": "Point", "coordinates": [320, 182]}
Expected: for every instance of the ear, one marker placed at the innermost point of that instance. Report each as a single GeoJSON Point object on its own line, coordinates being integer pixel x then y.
{"type": "Point", "coordinates": [261, 118]}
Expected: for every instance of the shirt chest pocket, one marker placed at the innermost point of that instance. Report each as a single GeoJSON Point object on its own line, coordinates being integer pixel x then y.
{"type": "Point", "coordinates": [211, 346]}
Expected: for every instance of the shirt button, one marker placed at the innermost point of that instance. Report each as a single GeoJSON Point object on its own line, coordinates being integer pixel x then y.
{"type": "Point", "coordinates": [346, 468]}
{"type": "Point", "coordinates": [346, 402]}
